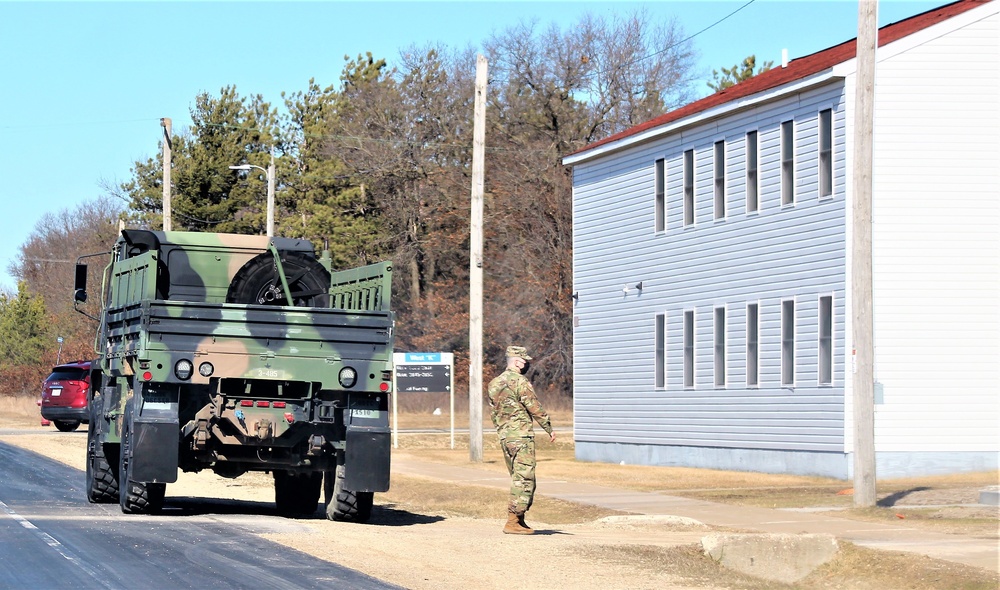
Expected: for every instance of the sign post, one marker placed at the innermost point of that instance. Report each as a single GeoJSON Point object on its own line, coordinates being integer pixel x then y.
{"type": "Point", "coordinates": [426, 372]}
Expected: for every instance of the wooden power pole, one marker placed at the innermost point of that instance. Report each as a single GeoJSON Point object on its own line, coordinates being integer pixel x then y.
{"type": "Point", "coordinates": [863, 352]}
{"type": "Point", "coordinates": [476, 269]}
{"type": "Point", "coordinates": [167, 215]}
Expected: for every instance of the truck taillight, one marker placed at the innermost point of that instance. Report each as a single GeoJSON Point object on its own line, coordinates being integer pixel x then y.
{"type": "Point", "coordinates": [247, 403]}
{"type": "Point", "coordinates": [263, 403]}
{"type": "Point", "coordinates": [278, 405]}
{"type": "Point", "coordinates": [289, 417]}
{"type": "Point", "coordinates": [383, 386]}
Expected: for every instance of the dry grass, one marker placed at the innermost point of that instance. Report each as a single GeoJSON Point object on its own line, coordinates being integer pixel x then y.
{"type": "Point", "coordinates": [925, 502]}
{"type": "Point", "coordinates": [481, 502]}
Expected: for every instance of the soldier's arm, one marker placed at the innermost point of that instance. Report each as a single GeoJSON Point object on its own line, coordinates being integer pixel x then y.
{"type": "Point", "coordinates": [534, 407]}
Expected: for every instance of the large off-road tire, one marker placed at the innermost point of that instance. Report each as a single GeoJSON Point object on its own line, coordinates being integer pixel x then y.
{"type": "Point", "coordinates": [136, 497]}
{"type": "Point", "coordinates": [67, 425]}
{"type": "Point", "coordinates": [258, 283]}
{"type": "Point", "coordinates": [346, 505]}
{"type": "Point", "coordinates": [297, 493]}
{"type": "Point", "coordinates": [102, 479]}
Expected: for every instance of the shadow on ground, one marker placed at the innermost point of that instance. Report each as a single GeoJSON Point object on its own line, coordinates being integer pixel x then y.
{"type": "Point", "coordinates": [384, 515]}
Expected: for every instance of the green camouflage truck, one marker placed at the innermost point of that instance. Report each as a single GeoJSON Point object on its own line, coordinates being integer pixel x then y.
{"type": "Point", "coordinates": [239, 353]}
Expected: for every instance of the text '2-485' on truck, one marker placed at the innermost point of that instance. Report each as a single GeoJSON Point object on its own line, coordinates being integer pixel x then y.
{"type": "Point", "coordinates": [239, 353]}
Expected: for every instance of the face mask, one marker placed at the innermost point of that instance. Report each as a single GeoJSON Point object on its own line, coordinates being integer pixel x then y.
{"type": "Point", "coordinates": [524, 369]}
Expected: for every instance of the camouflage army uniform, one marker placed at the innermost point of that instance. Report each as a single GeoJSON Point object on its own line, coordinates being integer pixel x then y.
{"type": "Point", "coordinates": [513, 403]}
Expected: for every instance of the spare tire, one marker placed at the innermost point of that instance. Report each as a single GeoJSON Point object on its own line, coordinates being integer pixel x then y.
{"type": "Point", "coordinates": [258, 283]}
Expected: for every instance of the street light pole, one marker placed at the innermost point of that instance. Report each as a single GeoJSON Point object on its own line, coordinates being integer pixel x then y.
{"type": "Point", "coordinates": [270, 197]}
{"type": "Point", "coordinates": [270, 190]}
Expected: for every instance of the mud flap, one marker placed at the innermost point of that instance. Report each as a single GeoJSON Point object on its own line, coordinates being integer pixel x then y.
{"type": "Point", "coordinates": [154, 450]}
{"type": "Point", "coordinates": [366, 458]}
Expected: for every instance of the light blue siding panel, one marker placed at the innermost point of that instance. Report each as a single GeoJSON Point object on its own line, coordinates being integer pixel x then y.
{"type": "Point", "coordinates": [777, 253]}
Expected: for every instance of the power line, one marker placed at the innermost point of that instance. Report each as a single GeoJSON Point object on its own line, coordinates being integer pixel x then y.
{"type": "Point", "coordinates": [699, 32]}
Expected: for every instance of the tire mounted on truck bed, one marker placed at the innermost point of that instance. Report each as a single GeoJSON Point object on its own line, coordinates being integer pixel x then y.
{"type": "Point", "coordinates": [258, 283]}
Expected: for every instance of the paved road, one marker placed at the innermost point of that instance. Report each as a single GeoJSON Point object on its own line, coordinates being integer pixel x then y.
{"type": "Point", "coordinates": [51, 537]}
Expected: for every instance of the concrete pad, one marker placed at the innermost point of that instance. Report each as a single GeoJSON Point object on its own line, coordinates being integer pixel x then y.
{"type": "Point", "coordinates": [779, 557]}
{"type": "Point", "coordinates": [990, 496]}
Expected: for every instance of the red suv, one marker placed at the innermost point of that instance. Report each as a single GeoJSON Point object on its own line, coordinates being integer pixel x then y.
{"type": "Point", "coordinates": [65, 395]}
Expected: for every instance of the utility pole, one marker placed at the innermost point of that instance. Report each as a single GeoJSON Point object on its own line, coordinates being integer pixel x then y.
{"type": "Point", "coordinates": [863, 352]}
{"type": "Point", "coordinates": [476, 269]}
{"type": "Point", "coordinates": [167, 215]}
{"type": "Point", "coordinates": [270, 196]}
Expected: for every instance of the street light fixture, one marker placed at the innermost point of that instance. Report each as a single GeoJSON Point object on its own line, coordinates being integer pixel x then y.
{"type": "Point", "coordinates": [270, 190]}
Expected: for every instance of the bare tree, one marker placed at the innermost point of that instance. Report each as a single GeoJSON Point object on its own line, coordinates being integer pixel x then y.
{"type": "Point", "coordinates": [46, 263]}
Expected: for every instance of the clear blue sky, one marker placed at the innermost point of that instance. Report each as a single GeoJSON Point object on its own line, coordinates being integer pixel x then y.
{"type": "Point", "coordinates": [84, 85]}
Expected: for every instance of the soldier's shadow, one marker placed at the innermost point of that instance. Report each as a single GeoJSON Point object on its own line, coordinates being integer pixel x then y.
{"type": "Point", "coordinates": [549, 532]}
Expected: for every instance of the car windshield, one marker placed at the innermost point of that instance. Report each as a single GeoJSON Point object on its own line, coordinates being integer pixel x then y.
{"type": "Point", "coordinates": [67, 375]}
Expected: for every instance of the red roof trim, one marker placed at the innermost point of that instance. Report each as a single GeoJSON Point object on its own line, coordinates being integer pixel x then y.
{"type": "Point", "coordinates": [797, 69]}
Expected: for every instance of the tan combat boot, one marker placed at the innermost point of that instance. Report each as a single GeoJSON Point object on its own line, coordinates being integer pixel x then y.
{"type": "Point", "coordinates": [520, 519]}
{"type": "Point", "coordinates": [514, 525]}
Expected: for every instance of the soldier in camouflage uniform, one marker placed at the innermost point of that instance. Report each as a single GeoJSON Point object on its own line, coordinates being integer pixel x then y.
{"type": "Point", "coordinates": [513, 403]}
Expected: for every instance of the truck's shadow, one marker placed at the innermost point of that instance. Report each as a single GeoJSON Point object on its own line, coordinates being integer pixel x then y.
{"type": "Point", "coordinates": [382, 515]}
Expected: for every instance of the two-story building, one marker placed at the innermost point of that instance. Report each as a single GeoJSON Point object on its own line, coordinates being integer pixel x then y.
{"type": "Point", "coordinates": [712, 266]}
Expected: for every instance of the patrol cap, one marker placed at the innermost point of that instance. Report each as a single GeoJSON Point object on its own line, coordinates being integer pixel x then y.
{"type": "Point", "coordinates": [519, 352]}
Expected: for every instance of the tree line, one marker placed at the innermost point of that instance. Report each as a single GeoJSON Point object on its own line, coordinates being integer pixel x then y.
{"type": "Point", "coordinates": [378, 166]}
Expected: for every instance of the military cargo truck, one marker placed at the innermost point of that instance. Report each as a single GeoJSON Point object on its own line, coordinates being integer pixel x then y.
{"type": "Point", "coordinates": [239, 353]}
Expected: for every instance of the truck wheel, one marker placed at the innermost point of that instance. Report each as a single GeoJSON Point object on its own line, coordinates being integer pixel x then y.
{"type": "Point", "coordinates": [344, 504]}
{"type": "Point", "coordinates": [136, 497]}
{"type": "Point", "coordinates": [257, 282]}
{"type": "Point", "coordinates": [67, 425]}
{"type": "Point", "coordinates": [102, 485]}
{"type": "Point", "coordinates": [297, 494]}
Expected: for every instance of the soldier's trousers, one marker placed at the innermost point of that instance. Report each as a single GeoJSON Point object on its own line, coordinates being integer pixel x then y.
{"type": "Point", "coordinates": [519, 454]}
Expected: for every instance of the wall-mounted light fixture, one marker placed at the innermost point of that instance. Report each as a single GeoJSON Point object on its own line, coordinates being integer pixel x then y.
{"type": "Point", "coordinates": [637, 287]}
{"type": "Point", "coordinates": [576, 296]}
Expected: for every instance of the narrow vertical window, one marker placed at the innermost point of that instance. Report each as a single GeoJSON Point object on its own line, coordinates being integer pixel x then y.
{"type": "Point", "coordinates": [661, 339]}
{"type": "Point", "coordinates": [787, 164]}
{"type": "Point", "coordinates": [825, 368]}
{"type": "Point", "coordinates": [752, 171]}
{"type": "Point", "coordinates": [825, 153]}
{"type": "Point", "coordinates": [689, 187]}
{"type": "Point", "coordinates": [660, 203]}
{"type": "Point", "coordinates": [788, 342]}
{"type": "Point", "coordinates": [720, 179]}
{"type": "Point", "coordinates": [689, 348]}
{"type": "Point", "coordinates": [720, 346]}
{"type": "Point", "coordinates": [753, 343]}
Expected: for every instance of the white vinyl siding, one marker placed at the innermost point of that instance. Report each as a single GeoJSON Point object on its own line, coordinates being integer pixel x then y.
{"type": "Point", "coordinates": [936, 252]}
{"type": "Point", "coordinates": [766, 253]}
{"type": "Point", "coordinates": [761, 258]}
